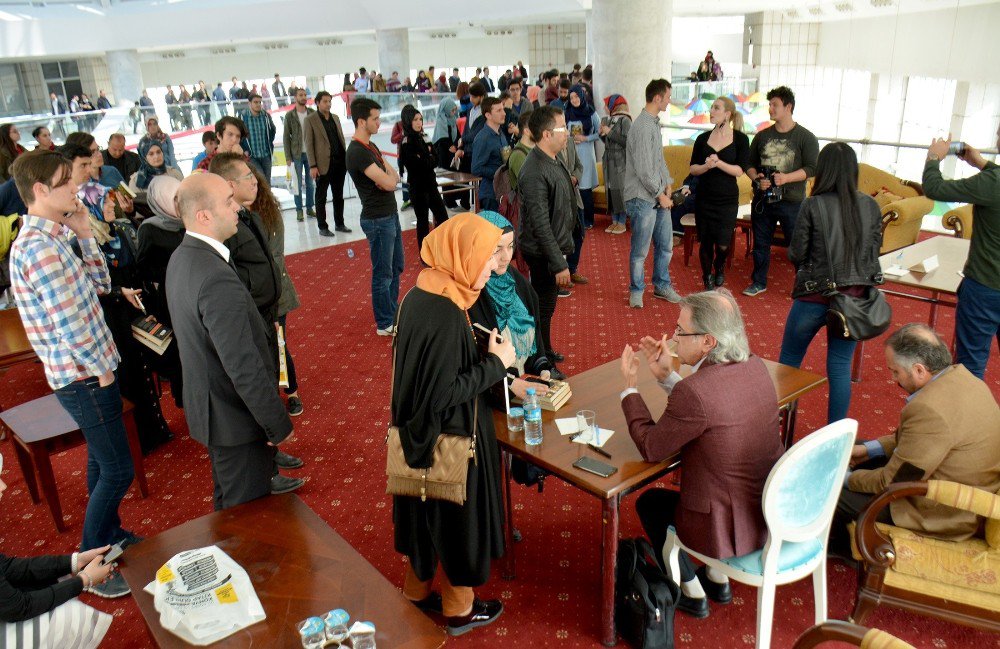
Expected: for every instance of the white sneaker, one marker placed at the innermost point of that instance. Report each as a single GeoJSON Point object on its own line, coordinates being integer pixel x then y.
{"type": "Point", "coordinates": [388, 331]}
{"type": "Point", "coordinates": [635, 300]}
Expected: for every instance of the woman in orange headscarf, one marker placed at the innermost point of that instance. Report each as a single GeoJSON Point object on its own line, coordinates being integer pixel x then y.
{"type": "Point", "coordinates": [439, 376]}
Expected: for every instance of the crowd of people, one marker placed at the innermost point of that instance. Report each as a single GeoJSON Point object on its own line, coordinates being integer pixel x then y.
{"type": "Point", "coordinates": [204, 256]}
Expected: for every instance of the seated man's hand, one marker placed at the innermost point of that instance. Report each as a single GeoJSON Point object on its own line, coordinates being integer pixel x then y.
{"type": "Point", "coordinates": [657, 356]}
{"type": "Point", "coordinates": [630, 367]}
{"type": "Point", "coordinates": [859, 454]}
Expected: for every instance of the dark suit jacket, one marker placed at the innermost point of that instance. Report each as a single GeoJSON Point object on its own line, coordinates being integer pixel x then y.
{"type": "Point", "coordinates": [723, 420]}
{"type": "Point", "coordinates": [230, 379]}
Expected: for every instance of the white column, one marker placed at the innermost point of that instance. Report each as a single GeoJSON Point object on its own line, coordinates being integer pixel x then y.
{"type": "Point", "coordinates": [589, 38]}
{"type": "Point", "coordinates": [630, 47]}
{"type": "Point", "coordinates": [393, 52]}
{"type": "Point", "coordinates": [126, 75]}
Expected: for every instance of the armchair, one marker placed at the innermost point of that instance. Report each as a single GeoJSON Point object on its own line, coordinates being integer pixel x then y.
{"type": "Point", "coordinates": [834, 631]}
{"type": "Point", "coordinates": [959, 221]}
{"type": "Point", "coordinates": [902, 204]}
{"type": "Point", "coordinates": [949, 580]}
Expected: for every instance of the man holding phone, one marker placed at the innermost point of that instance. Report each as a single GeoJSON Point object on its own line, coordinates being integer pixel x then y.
{"type": "Point", "coordinates": [57, 295]}
{"type": "Point", "coordinates": [977, 317]}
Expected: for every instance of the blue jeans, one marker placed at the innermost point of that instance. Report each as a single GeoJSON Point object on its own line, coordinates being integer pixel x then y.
{"type": "Point", "coordinates": [264, 165]}
{"type": "Point", "coordinates": [763, 218]}
{"type": "Point", "coordinates": [619, 219]}
{"type": "Point", "coordinates": [977, 323]}
{"type": "Point", "coordinates": [302, 169]}
{"type": "Point", "coordinates": [98, 413]}
{"type": "Point", "coordinates": [803, 323]}
{"type": "Point", "coordinates": [649, 223]}
{"type": "Point", "coordinates": [385, 243]}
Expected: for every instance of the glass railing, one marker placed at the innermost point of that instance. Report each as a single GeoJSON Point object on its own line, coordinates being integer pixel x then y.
{"type": "Point", "coordinates": [684, 92]}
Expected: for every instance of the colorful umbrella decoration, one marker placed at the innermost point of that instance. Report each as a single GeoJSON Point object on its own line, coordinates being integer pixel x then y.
{"type": "Point", "coordinates": [698, 106]}
{"type": "Point", "coordinates": [707, 96]}
{"type": "Point", "coordinates": [760, 127]}
{"type": "Point", "coordinates": [675, 110]}
{"type": "Point", "coordinates": [757, 98]}
{"type": "Point", "coordinates": [701, 118]}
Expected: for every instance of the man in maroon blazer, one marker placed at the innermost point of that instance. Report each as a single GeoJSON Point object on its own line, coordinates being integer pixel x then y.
{"type": "Point", "coordinates": [723, 421]}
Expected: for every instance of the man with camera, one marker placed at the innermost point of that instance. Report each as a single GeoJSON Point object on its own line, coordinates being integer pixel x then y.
{"type": "Point", "coordinates": [782, 157]}
{"type": "Point", "coordinates": [977, 317]}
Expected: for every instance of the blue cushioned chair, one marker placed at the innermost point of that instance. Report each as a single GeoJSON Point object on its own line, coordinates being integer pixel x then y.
{"type": "Point", "coordinates": [799, 498]}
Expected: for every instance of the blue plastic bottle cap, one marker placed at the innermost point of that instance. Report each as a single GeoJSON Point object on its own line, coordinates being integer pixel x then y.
{"type": "Point", "coordinates": [531, 391]}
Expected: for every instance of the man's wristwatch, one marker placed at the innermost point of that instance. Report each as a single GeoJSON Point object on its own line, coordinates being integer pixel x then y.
{"type": "Point", "coordinates": [932, 158]}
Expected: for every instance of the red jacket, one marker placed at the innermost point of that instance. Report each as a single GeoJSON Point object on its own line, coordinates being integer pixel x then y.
{"type": "Point", "coordinates": [723, 419]}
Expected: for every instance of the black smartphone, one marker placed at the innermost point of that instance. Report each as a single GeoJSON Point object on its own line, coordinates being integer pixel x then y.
{"type": "Point", "coordinates": [589, 464]}
{"type": "Point", "coordinates": [113, 554]}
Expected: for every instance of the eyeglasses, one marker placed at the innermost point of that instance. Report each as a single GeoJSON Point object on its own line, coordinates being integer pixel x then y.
{"type": "Point", "coordinates": [680, 332]}
{"type": "Point", "coordinates": [558, 129]}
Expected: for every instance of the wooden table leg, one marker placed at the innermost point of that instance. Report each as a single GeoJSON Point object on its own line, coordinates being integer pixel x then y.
{"type": "Point", "coordinates": [609, 560]}
{"type": "Point", "coordinates": [932, 320]}
{"type": "Point", "coordinates": [27, 470]}
{"type": "Point", "coordinates": [40, 457]}
{"type": "Point", "coordinates": [135, 449]}
{"type": "Point", "coordinates": [857, 362]}
{"type": "Point", "coordinates": [788, 424]}
{"type": "Point", "coordinates": [509, 570]}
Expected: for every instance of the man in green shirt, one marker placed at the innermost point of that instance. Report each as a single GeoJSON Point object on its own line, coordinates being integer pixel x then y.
{"type": "Point", "coordinates": [977, 318]}
{"type": "Point", "coordinates": [520, 151]}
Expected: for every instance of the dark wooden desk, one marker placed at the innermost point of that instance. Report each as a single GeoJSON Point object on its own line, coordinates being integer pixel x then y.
{"type": "Point", "coordinates": [14, 345]}
{"type": "Point", "coordinates": [299, 567]}
{"type": "Point", "coordinates": [598, 389]}
{"type": "Point", "coordinates": [458, 182]}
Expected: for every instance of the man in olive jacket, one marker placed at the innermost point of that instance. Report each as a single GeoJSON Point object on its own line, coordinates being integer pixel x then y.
{"type": "Point", "coordinates": [295, 151]}
{"type": "Point", "coordinates": [548, 214]}
{"type": "Point", "coordinates": [949, 429]}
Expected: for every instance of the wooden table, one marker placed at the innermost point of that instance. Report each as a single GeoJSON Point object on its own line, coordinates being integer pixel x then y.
{"type": "Point", "coordinates": [299, 567]}
{"type": "Point", "coordinates": [459, 182]}
{"type": "Point", "coordinates": [952, 254]}
{"type": "Point", "coordinates": [14, 345]}
{"type": "Point", "coordinates": [598, 389]}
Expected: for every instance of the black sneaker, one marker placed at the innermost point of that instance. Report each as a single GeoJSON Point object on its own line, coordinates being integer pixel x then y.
{"type": "Point", "coordinates": [286, 461]}
{"type": "Point", "coordinates": [113, 587]}
{"type": "Point", "coordinates": [564, 293]}
{"type": "Point", "coordinates": [294, 406]}
{"type": "Point", "coordinates": [483, 613]}
{"type": "Point", "coordinates": [281, 484]}
{"type": "Point", "coordinates": [131, 539]}
{"type": "Point", "coordinates": [344, 229]}
{"type": "Point", "coordinates": [325, 232]}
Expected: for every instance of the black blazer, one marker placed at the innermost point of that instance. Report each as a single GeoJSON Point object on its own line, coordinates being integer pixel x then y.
{"type": "Point", "coordinates": [230, 378]}
{"type": "Point", "coordinates": [30, 587]}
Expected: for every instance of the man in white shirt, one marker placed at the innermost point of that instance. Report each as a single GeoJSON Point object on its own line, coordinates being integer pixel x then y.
{"type": "Point", "coordinates": [361, 83]}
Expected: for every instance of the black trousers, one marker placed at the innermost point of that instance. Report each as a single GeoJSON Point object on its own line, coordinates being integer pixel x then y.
{"type": "Point", "coordinates": [333, 180]}
{"type": "Point", "coordinates": [241, 473]}
{"type": "Point", "coordinates": [849, 508]}
{"type": "Point", "coordinates": [544, 283]}
{"type": "Point", "coordinates": [426, 197]}
{"type": "Point", "coordinates": [657, 509]}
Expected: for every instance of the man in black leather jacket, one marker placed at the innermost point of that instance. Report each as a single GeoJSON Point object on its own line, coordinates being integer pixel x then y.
{"type": "Point", "coordinates": [548, 213]}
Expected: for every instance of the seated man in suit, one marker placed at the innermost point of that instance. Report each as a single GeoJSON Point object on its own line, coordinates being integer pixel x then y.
{"type": "Point", "coordinates": [949, 429]}
{"type": "Point", "coordinates": [231, 400]}
{"type": "Point", "coordinates": [723, 421]}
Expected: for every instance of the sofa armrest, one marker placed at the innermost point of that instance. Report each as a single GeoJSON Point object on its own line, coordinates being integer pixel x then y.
{"type": "Point", "coordinates": [875, 547]}
{"type": "Point", "coordinates": [959, 221]}
{"type": "Point", "coordinates": [836, 631]}
{"type": "Point", "coordinates": [901, 221]}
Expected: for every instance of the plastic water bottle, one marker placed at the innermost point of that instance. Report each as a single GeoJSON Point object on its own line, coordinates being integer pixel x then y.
{"type": "Point", "coordinates": [350, 253]}
{"type": "Point", "coordinates": [532, 419]}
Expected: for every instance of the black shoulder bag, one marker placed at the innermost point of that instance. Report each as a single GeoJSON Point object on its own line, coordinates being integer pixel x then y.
{"type": "Point", "coordinates": [645, 597]}
{"type": "Point", "coordinates": [854, 318]}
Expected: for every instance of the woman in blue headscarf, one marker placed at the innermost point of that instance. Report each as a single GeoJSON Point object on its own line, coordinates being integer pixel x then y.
{"type": "Point", "coordinates": [445, 140]}
{"type": "Point", "coordinates": [584, 126]}
{"type": "Point", "coordinates": [510, 305]}
{"type": "Point", "coordinates": [153, 163]}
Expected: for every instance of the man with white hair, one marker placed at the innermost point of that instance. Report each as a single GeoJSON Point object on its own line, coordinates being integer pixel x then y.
{"type": "Point", "coordinates": [722, 420]}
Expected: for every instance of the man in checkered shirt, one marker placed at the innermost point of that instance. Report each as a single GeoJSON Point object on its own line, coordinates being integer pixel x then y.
{"type": "Point", "coordinates": [56, 294]}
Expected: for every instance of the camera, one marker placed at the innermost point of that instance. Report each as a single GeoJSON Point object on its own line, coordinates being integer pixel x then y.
{"type": "Point", "coordinates": [956, 148]}
{"type": "Point", "coordinates": [774, 193]}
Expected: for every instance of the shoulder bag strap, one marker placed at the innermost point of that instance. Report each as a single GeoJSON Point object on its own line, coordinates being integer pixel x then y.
{"type": "Point", "coordinates": [831, 287]}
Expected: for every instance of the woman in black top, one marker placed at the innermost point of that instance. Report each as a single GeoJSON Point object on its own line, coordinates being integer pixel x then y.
{"type": "Point", "coordinates": [36, 606]}
{"type": "Point", "coordinates": [720, 156]}
{"type": "Point", "coordinates": [439, 385]}
{"type": "Point", "coordinates": [417, 158]}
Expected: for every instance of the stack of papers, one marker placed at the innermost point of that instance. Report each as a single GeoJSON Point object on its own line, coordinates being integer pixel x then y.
{"type": "Point", "coordinates": [570, 427]}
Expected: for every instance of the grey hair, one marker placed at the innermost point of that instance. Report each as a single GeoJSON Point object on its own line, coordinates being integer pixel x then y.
{"type": "Point", "coordinates": [716, 313]}
{"type": "Point", "coordinates": [917, 343]}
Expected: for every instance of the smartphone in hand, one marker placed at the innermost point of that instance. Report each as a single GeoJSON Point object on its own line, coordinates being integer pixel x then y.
{"type": "Point", "coordinates": [113, 554]}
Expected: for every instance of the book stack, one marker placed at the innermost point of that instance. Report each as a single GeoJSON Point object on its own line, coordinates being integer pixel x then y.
{"type": "Point", "coordinates": [559, 393]}
{"type": "Point", "coordinates": [151, 333]}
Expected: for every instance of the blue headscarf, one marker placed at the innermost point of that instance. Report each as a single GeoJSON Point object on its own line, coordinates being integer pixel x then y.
{"type": "Point", "coordinates": [584, 113]}
{"type": "Point", "coordinates": [94, 195]}
{"type": "Point", "coordinates": [507, 304]}
{"type": "Point", "coordinates": [147, 171]}
{"type": "Point", "coordinates": [446, 122]}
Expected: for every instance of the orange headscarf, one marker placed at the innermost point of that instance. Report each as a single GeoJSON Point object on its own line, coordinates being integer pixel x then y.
{"type": "Point", "coordinates": [456, 252]}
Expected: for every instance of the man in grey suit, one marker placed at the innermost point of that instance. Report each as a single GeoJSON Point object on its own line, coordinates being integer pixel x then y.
{"type": "Point", "coordinates": [231, 400]}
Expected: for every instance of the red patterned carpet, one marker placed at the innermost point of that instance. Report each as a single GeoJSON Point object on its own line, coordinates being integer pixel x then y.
{"type": "Point", "coordinates": [344, 372]}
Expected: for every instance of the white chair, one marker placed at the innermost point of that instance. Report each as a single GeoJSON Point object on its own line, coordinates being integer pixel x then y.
{"type": "Point", "coordinates": [799, 498]}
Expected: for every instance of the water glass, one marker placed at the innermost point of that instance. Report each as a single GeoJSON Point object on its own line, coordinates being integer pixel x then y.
{"type": "Point", "coordinates": [312, 633]}
{"type": "Point", "coordinates": [585, 425]}
{"type": "Point", "coordinates": [336, 625]}
{"type": "Point", "coordinates": [363, 635]}
{"type": "Point", "coordinates": [515, 420]}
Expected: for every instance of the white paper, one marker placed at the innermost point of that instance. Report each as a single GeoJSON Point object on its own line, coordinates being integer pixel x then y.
{"type": "Point", "coordinates": [588, 438]}
{"type": "Point", "coordinates": [895, 270]}
{"type": "Point", "coordinates": [926, 266]}
{"type": "Point", "coordinates": [567, 426]}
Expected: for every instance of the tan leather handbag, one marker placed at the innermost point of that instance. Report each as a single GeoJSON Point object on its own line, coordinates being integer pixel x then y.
{"type": "Point", "coordinates": [447, 477]}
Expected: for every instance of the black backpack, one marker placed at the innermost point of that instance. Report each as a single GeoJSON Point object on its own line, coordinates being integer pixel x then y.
{"type": "Point", "coordinates": [645, 597]}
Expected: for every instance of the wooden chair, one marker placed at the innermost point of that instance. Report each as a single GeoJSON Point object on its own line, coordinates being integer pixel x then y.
{"type": "Point", "coordinates": [834, 631]}
{"type": "Point", "coordinates": [41, 428]}
{"type": "Point", "coordinates": [950, 580]}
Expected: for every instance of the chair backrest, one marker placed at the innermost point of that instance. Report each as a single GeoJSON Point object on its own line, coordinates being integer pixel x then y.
{"type": "Point", "coordinates": [802, 489]}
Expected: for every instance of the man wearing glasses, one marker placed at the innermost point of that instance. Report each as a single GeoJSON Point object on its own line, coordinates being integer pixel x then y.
{"type": "Point", "coordinates": [376, 182]}
{"type": "Point", "coordinates": [261, 130]}
{"type": "Point", "coordinates": [727, 446]}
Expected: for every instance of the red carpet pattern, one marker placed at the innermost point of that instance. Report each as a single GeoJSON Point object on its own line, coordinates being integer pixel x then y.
{"type": "Point", "coordinates": [344, 369]}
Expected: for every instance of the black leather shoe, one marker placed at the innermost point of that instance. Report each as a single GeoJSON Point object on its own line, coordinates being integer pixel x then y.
{"type": "Point", "coordinates": [716, 592]}
{"type": "Point", "coordinates": [556, 357]}
{"type": "Point", "coordinates": [556, 375]}
{"type": "Point", "coordinates": [344, 229]}
{"type": "Point", "coordinates": [696, 608]}
{"type": "Point", "coordinates": [720, 279]}
{"type": "Point", "coordinates": [709, 282]}
{"type": "Point", "coordinates": [286, 461]}
{"type": "Point", "coordinates": [483, 613]}
{"type": "Point", "coordinates": [430, 604]}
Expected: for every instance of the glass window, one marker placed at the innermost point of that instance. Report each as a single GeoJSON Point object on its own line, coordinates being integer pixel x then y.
{"type": "Point", "coordinates": [69, 69]}
{"type": "Point", "coordinates": [51, 70]}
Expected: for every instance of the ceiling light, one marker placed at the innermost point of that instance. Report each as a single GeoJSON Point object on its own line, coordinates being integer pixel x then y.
{"type": "Point", "coordinates": [89, 10]}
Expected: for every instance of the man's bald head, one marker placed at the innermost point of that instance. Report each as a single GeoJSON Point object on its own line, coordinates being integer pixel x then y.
{"type": "Point", "coordinates": [917, 343]}
{"type": "Point", "coordinates": [199, 192]}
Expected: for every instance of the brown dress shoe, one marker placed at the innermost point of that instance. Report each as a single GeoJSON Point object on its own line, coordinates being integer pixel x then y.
{"type": "Point", "coordinates": [579, 279]}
